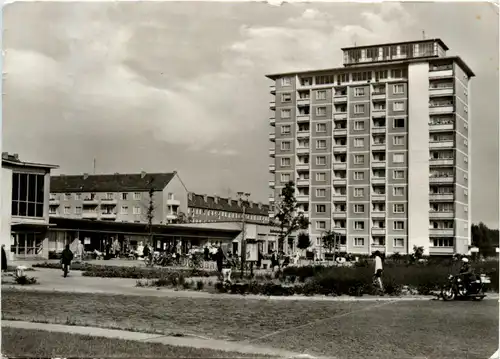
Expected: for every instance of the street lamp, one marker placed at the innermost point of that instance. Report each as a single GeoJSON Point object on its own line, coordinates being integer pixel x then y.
{"type": "Point", "coordinates": [244, 198]}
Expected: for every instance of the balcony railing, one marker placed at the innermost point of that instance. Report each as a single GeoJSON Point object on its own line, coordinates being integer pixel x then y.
{"type": "Point", "coordinates": [441, 109]}
{"type": "Point", "coordinates": [303, 182]}
{"type": "Point", "coordinates": [339, 149]}
{"type": "Point", "coordinates": [339, 180]}
{"type": "Point", "coordinates": [442, 232]}
{"type": "Point", "coordinates": [339, 215]}
{"type": "Point", "coordinates": [302, 166]}
{"type": "Point", "coordinates": [303, 101]}
{"type": "Point", "coordinates": [441, 179]}
{"type": "Point", "coordinates": [272, 183]}
{"type": "Point", "coordinates": [442, 162]}
{"type": "Point", "coordinates": [303, 134]}
{"type": "Point", "coordinates": [301, 118]}
{"type": "Point", "coordinates": [340, 131]}
{"type": "Point", "coordinates": [272, 168]}
{"type": "Point", "coordinates": [379, 231]}
{"type": "Point", "coordinates": [378, 129]}
{"type": "Point", "coordinates": [441, 126]}
{"type": "Point", "coordinates": [272, 89]}
{"type": "Point", "coordinates": [272, 152]}
{"type": "Point", "coordinates": [340, 99]}
{"type": "Point", "coordinates": [378, 179]}
{"type": "Point", "coordinates": [272, 136]}
{"type": "Point", "coordinates": [272, 104]}
{"type": "Point", "coordinates": [340, 116]}
{"type": "Point", "coordinates": [441, 214]}
{"type": "Point", "coordinates": [441, 144]}
{"type": "Point", "coordinates": [107, 215]}
{"type": "Point", "coordinates": [339, 165]}
{"type": "Point", "coordinates": [378, 197]}
{"type": "Point", "coordinates": [272, 121]}
{"type": "Point", "coordinates": [302, 149]}
{"type": "Point", "coordinates": [89, 215]}
{"type": "Point", "coordinates": [441, 196]}
{"type": "Point", "coordinates": [443, 73]}
{"type": "Point", "coordinates": [339, 198]}
{"type": "Point", "coordinates": [441, 91]}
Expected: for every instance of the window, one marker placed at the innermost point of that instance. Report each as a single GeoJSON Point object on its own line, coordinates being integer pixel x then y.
{"type": "Point", "coordinates": [67, 196]}
{"type": "Point", "coordinates": [398, 157]}
{"type": "Point", "coordinates": [399, 123]}
{"type": "Point", "coordinates": [399, 242]}
{"type": "Point", "coordinates": [359, 176]}
{"type": "Point", "coordinates": [320, 144]}
{"type": "Point", "coordinates": [320, 208]}
{"type": "Point", "coordinates": [78, 210]}
{"type": "Point", "coordinates": [398, 89]}
{"type": "Point", "coordinates": [321, 160]}
{"type": "Point", "coordinates": [359, 192]}
{"type": "Point", "coordinates": [28, 192]}
{"type": "Point", "coordinates": [321, 111]}
{"type": "Point", "coordinates": [320, 192]}
{"type": "Point", "coordinates": [285, 177]}
{"type": "Point", "coordinates": [78, 196]}
{"type": "Point", "coordinates": [359, 242]}
{"type": "Point", "coordinates": [321, 95]}
{"type": "Point", "coordinates": [285, 129]}
{"type": "Point", "coordinates": [286, 81]}
{"type": "Point", "coordinates": [398, 174]}
{"type": "Point", "coordinates": [359, 125]}
{"type": "Point", "coordinates": [321, 127]}
{"type": "Point", "coordinates": [124, 196]}
{"type": "Point", "coordinates": [286, 97]}
{"type": "Point", "coordinates": [286, 113]}
{"type": "Point", "coordinates": [359, 159]}
{"type": "Point", "coordinates": [286, 146]}
{"type": "Point", "coordinates": [359, 225]}
{"type": "Point", "coordinates": [399, 225]}
{"type": "Point", "coordinates": [398, 106]}
{"type": "Point", "coordinates": [320, 225]}
{"type": "Point", "coordinates": [359, 208]}
{"type": "Point", "coordinates": [359, 91]}
{"type": "Point", "coordinates": [360, 108]}
{"type": "Point", "coordinates": [137, 210]}
{"type": "Point", "coordinates": [110, 196]}
{"type": "Point", "coordinates": [320, 177]}
{"type": "Point", "coordinates": [398, 140]}
{"type": "Point", "coordinates": [124, 210]}
{"type": "Point", "coordinates": [323, 80]}
{"type": "Point", "coordinates": [285, 162]}
{"type": "Point", "coordinates": [398, 208]}
{"type": "Point", "coordinates": [398, 191]}
{"type": "Point", "coordinates": [359, 142]}
{"type": "Point", "coordinates": [67, 209]}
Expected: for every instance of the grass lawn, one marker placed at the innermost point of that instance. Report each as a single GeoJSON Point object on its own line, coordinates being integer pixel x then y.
{"type": "Point", "coordinates": [43, 344]}
{"type": "Point", "coordinates": [431, 329]}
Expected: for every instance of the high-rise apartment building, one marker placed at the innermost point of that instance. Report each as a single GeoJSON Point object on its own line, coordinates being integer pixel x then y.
{"type": "Point", "coordinates": [379, 149]}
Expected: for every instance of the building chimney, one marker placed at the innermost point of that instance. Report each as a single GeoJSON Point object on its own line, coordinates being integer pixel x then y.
{"type": "Point", "coordinates": [16, 156]}
{"type": "Point", "coordinates": [5, 155]}
{"type": "Point", "coordinates": [85, 176]}
{"type": "Point", "coordinates": [143, 174]}
{"type": "Point", "coordinates": [216, 198]}
{"type": "Point", "coordinates": [205, 197]}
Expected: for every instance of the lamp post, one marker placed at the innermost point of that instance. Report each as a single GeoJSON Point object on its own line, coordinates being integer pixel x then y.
{"type": "Point", "coordinates": [244, 198]}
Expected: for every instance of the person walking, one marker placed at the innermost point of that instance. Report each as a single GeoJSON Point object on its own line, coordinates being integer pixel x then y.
{"type": "Point", "coordinates": [66, 258]}
{"type": "Point", "coordinates": [219, 258]}
{"type": "Point", "coordinates": [378, 270]}
{"type": "Point", "coordinates": [4, 259]}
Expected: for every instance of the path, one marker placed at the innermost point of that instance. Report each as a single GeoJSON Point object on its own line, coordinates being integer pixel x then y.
{"type": "Point", "coordinates": [152, 338]}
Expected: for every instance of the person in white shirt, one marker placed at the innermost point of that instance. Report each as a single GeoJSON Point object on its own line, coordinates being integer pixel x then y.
{"type": "Point", "coordinates": [378, 269]}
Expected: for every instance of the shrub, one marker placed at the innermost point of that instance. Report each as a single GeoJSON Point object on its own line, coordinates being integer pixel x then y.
{"type": "Point", "coordinates": [25, 280]}
{"type": "Point", "coordinates": [137, 272]}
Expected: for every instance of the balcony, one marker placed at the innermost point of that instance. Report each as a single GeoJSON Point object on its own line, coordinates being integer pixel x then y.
{"type": "Point", "coordinates": [378, 146]}
{"type": "Point", "coordinates": [440, 74]}
{"type": "Point", "coordinates": [340, 149]}
{"type": "Point", "coordinates": [340, 131]}
{"type": "Point", "coordinates": [271, 198]}
{"type": "Point", "coordinates": [340, 99]}
{"type": "Point", "coordinates": [301, 166]}
{"type": "Point", "coordinates": [339, 165]}
{"type": "Point", "coordinates": [378, 231]}
{"type": "Point", "coordinates": [173, 202]}
{"type": "Point", "coordinates": [339, 198]}
{"type": "Point", "coordinates": [442, 162]}
{"type": "Point", "coordinates": [378, 129]}
{"type": "Point", "coordinates": [442, 232]}
{"type": "Point", "coordinates": [272, 121]}
{"type": "Point", "coordinates": [108, 216]}
{"type": "Point", "coordinates": [445, 215]}
{"type": "Point", "coordinates": [378, 95]}
{"type": "Point", "coordinates": [301, 198]}
{"type": "Point", "coordinates": [171, 216]}
{"type": "Point", "coordinates": [378, 113]}
{"type": "Point", "coordinates": [378, 197]}
{"type": "Point", "coordinates": [302, 150]}
{"type": "Point", "coordinates": [437, 197]}
{"type": "Point", "coordinates": [339, 181]}
{"type": "Point", "coordinates": [272, 105]}
{"type": "Point", "coordinates": [54, 202]}
{"type": "Point", "coordinates": [441, 144]}
{"type": "Point", "coordinates": [378, 214]}
{"type": "Point", "coordinates": [340, 116]}
{"type": "Point", "coordinates": [378, 247]}
{"type": "Point", "coordinates": [272, 168]}
{"type": "Point", "coordinates": [303, 134]}
{"type": "Point", "coordinates": [109, 201]}
{"type": "Point", "coordinates": [303, 182]}
{"type": "Point", "coordinates": [303, 118]}
{"type": "Point", "coordinates": [441, 179]}
{"type": "Point", "coordinates": [272, 152]}
{"type": "Point", "coordinates": [441, 250]}
{"type": "Point", "coordinates": [339, 230]}
{"type": "Point", "coordinates": [441, 127]}
{"type": "Point", "coordinates": [303, 101]}
{"type": "Point", "coordinates": [443, 91]}
{"type": "Point", "coordinates": [90, 202]}
{"type": "Point", "coordinates": [339, 215]}
{"type": "Point", "coordinates": [437, 110]}
{"type": "Point", "coordinates": [272, 136]}
{"type": "Point", "coordinates": [378, 180]}
{"type": "Point", "coordinates": [378, 164]}
{"type": "Point", "coordinates": [272, 89]}
{"type": "Point", "coordinates": [272, 183]}
{"type": "Point", "coordinates": [89, 215]}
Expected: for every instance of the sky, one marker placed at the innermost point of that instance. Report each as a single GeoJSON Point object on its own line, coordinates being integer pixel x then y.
{"type": "Point", "coordinates": [162, 86]}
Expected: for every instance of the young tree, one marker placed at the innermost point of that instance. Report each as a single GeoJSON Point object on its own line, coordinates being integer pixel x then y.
{"type": "Point", "coordinates": [150, 212]}
{"type": "Point", "coordinates": [287, 217]}
{"type": "Point", "coordinates": [329, 241]}
{"type": "Point", "coordinates": [303, 241]}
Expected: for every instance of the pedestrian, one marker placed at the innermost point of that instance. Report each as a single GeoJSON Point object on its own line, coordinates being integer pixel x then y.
{"type": "Point", "coordinates": [219, 259]}
{"type": "Point", "coordinates": [378, 270]}
{"type": "Point", "coordinates": [66, 258]}
{"type": "Point", "coordinates": [274, 260]}
{"type": "Point", "coordinates": [259, 259]}
{"type": "Point", "coordinates": [4, 259]}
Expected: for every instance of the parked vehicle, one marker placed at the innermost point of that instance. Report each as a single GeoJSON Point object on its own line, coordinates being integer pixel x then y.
{"type": "Point", "coordinates": [457, 288]}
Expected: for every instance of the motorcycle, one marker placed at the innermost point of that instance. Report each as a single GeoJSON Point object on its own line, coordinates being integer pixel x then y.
{"type": "Point", "coordinates": [457, 288]}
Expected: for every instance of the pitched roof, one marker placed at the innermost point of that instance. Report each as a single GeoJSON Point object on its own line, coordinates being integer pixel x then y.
{"type": "Point", "coordinates": [225, 204]}
{"type": "Point", "coordinates": [13, 160]}
{"type": "Point", "coordinates": [110, 183]}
